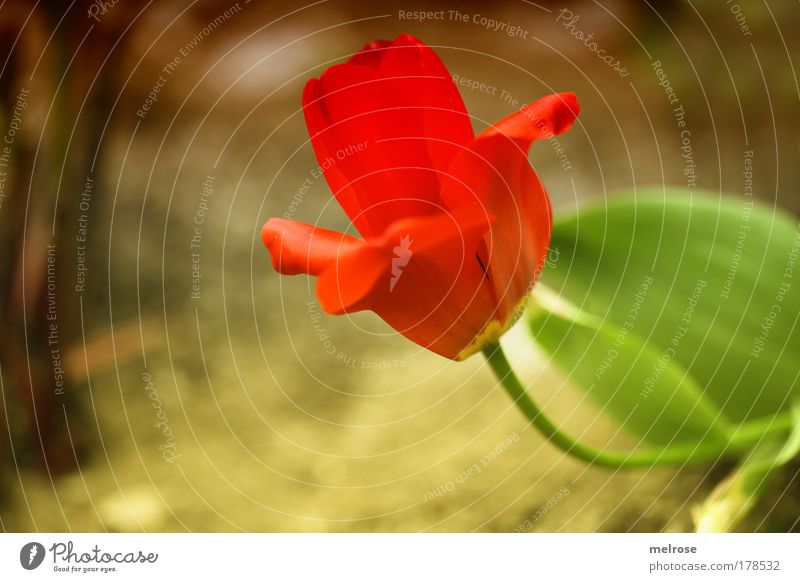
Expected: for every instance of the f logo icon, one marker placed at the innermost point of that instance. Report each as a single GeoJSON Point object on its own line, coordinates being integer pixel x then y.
{"type": "Point", "coordinates": [31, 555]}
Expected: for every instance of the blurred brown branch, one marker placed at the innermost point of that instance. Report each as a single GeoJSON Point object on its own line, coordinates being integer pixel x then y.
{"type": "Point", "coordinates": [54, 101]}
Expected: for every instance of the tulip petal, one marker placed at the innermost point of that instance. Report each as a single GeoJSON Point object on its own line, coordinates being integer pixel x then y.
{"type": "Point", "coordinates": [391, 175]}
{"type": "Point", "coordinates": [544, 118]}
{"type": "Point", "coordinates": [494, 172]}
{"type": "Point", "coordinates": [298, 248]}
{"type": "Point", "coordinates": [430, 88]}
{"type": "Point", "coordinates": [326, 144]}
{"type": "Point", "coordinates": [398, 108]}
{"type": "Point", "coordinates": [422, 276]}
{"type": "Point", "coordinates": [370, 54]}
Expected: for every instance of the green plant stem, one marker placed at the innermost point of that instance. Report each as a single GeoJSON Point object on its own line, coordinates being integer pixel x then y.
{"type": "Point", "coordinates": [741, 441]}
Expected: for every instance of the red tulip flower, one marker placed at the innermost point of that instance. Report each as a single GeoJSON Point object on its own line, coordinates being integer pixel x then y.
{"type": "Point", "coordinates": [454, 227]}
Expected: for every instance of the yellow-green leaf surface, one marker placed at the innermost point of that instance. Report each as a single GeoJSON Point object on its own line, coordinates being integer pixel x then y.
{"type": "Point", "coordinates": [689, 310]}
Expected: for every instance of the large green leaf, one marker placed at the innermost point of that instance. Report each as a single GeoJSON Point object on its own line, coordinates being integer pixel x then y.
{"type": "Point", "coordinates": [676, 411]}
{"type": "Point", "coordinates": [706, 283]}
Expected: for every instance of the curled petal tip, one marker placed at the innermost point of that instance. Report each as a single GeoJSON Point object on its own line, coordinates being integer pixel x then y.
{"type": "Point", "coordinates": [299, 248]}
{"type": "Point", "coordinates": [557, 111]}
{"type": "Point", "coordinates": [570, 110]}
{"type": "Point", "coordinates": [271, 237]}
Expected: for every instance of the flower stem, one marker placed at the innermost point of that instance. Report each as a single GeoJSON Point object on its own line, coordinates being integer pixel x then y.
{"type": "Point", "coordinates": [678, 454]}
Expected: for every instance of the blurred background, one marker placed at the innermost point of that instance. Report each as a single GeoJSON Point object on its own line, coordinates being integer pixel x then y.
{"type": "Point", "coordinates": [157, 375]}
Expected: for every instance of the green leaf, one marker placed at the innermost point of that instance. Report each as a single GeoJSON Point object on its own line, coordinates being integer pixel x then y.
{"type": "Point", "coordinates": [739, 493]}
{"type": "Point", "coordinates": [704, 282]}
{"type": "Point", "coordinates": [584, 345]}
